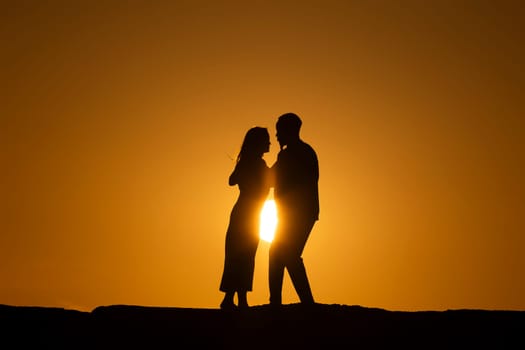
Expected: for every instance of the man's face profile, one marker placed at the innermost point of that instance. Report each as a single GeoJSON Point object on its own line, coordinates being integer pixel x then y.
{"type": "Point", "coordinates": [282, 135]}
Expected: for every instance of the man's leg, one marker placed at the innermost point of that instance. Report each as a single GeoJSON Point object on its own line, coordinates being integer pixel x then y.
{"type": "Point", "coordinates": [275, 274]}
{"type": "Point", "coordinates": [300, 282]}
{"type": "Point", "coordinates": [294, 263]}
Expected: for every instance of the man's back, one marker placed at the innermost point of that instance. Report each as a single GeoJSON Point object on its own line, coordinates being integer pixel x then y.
{"type": "Point", "coordinates": [296, 181]}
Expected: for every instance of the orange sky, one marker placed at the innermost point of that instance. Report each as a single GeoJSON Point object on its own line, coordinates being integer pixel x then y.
{"type": "Point", "coordinates": [120, 121]}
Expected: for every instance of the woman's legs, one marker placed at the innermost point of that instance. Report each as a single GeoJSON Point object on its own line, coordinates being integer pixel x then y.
{"type": "Point", "coordinates": [228, 303]}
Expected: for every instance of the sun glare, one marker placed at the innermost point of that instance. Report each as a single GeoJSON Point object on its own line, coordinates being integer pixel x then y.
{"type": "Point", "coordinates": [268, 221]}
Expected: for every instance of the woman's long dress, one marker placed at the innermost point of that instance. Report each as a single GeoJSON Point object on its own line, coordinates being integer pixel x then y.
{"type": "Point", "coordinates": [242, 235]}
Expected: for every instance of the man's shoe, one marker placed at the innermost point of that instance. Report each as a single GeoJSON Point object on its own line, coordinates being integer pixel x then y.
{"type": "Point", "coordinates": [243, 307]}
{"type": "Point", "coordinates": [275, 306]}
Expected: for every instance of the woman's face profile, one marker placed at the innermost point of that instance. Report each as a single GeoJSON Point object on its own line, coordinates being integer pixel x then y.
{"type": "Point", "coordinates": [266, 144]}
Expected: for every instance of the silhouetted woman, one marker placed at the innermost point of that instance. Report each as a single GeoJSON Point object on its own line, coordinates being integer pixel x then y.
{"type": "Point", "coordinates": [251, 174]}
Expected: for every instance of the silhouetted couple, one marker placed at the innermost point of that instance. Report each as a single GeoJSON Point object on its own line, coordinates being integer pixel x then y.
{"type": "Point", "coordinates": [294, 177]}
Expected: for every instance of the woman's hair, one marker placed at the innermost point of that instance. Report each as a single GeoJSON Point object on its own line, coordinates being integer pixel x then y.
{"type": "Point", "coordinates": [254, 143]}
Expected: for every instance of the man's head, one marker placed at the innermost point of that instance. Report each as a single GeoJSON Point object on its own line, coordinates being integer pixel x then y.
{"type": "Point", "coordinates": [288, 127]}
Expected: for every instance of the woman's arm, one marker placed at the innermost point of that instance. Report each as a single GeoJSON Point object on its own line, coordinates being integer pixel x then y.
{"type": "Point", "coordinates": [234, 176]}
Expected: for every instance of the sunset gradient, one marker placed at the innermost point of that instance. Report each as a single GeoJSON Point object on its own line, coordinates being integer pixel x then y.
{"type": "Point", "coordinates": [121, 122]}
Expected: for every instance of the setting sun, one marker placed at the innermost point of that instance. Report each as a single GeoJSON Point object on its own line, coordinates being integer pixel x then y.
{"type": "Point", "coordinates": [268, 221]}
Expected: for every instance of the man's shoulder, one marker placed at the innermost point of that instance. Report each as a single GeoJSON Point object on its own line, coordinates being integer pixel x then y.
{"type": "Point", "coordinates": [297, 149]}
{"type": "Point", "coordinates": [307, 147]}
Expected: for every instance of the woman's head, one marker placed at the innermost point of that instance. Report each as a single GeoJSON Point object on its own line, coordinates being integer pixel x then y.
{"type": "Point", "coordinates": [256, 142]}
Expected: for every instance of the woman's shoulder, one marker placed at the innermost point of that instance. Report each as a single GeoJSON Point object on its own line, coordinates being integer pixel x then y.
{"type": "Point", "coordinates": [249, 165]}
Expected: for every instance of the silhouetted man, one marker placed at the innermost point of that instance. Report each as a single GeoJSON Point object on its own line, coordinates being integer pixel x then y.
{"type": "Point", "coordinates": [296, 195]}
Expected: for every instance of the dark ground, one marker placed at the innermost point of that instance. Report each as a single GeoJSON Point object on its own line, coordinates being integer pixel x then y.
{"type": "Point", "coordinates": [261, 327]}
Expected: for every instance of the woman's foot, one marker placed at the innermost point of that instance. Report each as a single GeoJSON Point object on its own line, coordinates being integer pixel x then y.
{"type": "Point", "coordinates": [228, 305]}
